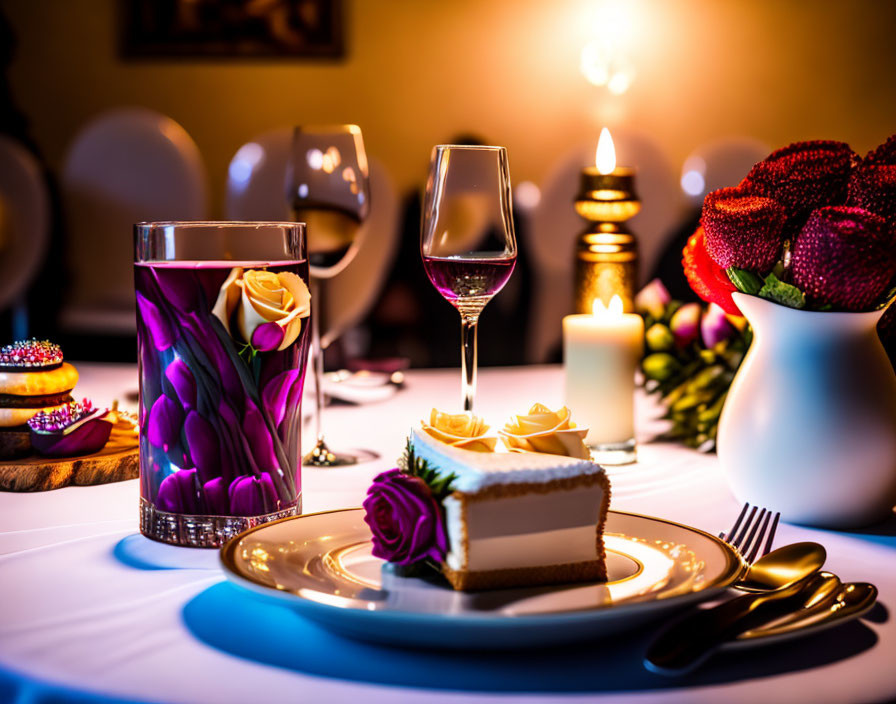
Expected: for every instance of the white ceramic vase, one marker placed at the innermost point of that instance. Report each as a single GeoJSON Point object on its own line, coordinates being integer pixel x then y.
{"type": "Point", "coordinates": [809, 425]}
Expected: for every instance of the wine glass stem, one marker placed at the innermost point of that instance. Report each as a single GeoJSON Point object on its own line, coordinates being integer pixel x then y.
{"type": "Point", "coordinates": [317, 356]}
{"type": "Point", "coordinates": [468, 361]}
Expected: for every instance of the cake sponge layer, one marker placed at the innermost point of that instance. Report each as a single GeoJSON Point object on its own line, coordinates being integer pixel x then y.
{"type": "Point", "coordinates": [591, 571]}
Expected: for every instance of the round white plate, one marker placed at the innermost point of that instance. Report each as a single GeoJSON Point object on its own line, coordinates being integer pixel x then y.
{"type": "Point", "coordinates": [320, 564]}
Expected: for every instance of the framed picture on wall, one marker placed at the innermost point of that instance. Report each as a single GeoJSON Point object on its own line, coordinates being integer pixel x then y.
{"type": "Point", "coordinates": [231, 28]}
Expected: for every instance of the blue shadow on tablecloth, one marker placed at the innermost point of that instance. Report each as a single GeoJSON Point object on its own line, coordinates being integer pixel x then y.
{"type": "Point", "coordinates": [18, 688]}
{"type": "Point", "coordinates": [141, 553]}
{"type": "Point", "coordinates": [237, 622]}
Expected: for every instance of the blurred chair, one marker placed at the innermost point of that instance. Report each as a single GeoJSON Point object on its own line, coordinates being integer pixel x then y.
{"type": "Point", "coordinates": [24, 228]}
{"type": "Point", "coordinates": [713, 165]}
{"type": "Point", "coordinates": [555, 225]}
{"type": "Point", "coordinates": [257, 190]}
{"type": "Point", "coordinates": [718, 164]}
{"type": "Point", "coordinates": [125, 166]}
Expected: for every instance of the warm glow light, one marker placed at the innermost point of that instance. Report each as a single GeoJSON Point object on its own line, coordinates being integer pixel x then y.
{"type": "Point", "coordinates": [614, 310]}
{"type": "Point", "coordinates": [315, 158]}
{"type": "Point", "coordinates": [526, 195]}
{"type": "Point", "coordinates": [605, 157]}
{"type": "Point", "coordinates": [605, 60]}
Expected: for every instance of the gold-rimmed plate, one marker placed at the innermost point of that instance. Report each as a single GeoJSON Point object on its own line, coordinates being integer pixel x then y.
{"type": "Point", "coordinates": [321, 565]}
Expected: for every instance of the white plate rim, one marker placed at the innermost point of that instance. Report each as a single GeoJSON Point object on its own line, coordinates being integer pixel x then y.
{"type": "Point", "coordinates": [733, 568]}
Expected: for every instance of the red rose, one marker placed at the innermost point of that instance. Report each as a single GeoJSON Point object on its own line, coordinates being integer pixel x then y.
{"type": "Point", "coordinates": [743, 230]}
{"type": "Point", "coordinates": [844, 257]}
{"type": "Point", "coordinates": [707, 278]}
{"type": "Point", "coordinates": [804, 176]}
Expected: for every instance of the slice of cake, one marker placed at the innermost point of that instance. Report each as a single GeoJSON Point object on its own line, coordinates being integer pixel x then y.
{"type": "Point", "coordinates": [493, 519]}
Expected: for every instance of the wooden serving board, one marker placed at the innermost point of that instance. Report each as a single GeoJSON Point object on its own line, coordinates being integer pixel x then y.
{"type": "Point", "coordinates": [111, 464]}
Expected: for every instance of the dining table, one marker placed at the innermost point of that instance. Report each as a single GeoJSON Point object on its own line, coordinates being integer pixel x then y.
{"type": "Point", "coordinates": [92, 611]}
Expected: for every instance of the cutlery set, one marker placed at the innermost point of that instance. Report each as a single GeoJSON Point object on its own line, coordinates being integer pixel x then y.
{"type": "Point", "coordinates": [785, 593]}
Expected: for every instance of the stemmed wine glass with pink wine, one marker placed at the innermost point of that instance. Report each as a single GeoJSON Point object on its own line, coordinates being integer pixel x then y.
{"type": "Point", "coordinates": [467, 240]}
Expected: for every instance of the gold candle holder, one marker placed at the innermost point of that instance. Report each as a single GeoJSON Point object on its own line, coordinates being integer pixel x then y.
{"type": "Point", "coordinates": [606, 251]}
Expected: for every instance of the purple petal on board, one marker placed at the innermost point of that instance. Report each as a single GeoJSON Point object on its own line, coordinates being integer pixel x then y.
{"type": "Point", "coordinates": [216, 498]}
{"type": "Point", "coordinates": [259, 438]}
{"type": "Point", "coordinates": [162, 334]}
{"type": "Point", "coordinates": [276, 394]}
{"type": "Point", "coordinates": [267, 337]}
{"type": "Point", "coordinates": [183, 381]}
{"type": "Point", "coordinates": [88, 438]}
{"type": "Point", "coordinates": [178, 493]}
{"type": "Point", "coordinates": [179, 287]}
{"type": "Point", "coordinates": [202, 441]}
{"type": "Point", "coordinates": [165, 420]}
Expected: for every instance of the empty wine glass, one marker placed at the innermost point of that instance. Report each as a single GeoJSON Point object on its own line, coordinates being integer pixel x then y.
{"type": "Point", "coordinates": [328, 191]}
{"type": "Point", "coordinates": [467, 240]}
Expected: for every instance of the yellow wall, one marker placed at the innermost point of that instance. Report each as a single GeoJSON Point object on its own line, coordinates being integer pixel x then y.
{"type": "Point", "coordinates": [419, 71]}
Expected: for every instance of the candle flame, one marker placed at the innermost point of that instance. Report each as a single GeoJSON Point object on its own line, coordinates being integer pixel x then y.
{"type": "Point", "coordinates": [605, 156]}
{"type": "Point", "coordinates": [614, 310]}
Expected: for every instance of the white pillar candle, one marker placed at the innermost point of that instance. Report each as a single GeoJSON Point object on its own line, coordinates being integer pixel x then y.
{"type": "Point", "coordinates": [600, 356]}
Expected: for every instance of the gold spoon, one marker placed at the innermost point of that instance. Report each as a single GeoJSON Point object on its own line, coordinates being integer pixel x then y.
{"type": "Point", "coordinates": [782, 567]}
{"type": "Point", "coordinates": [849, 601]}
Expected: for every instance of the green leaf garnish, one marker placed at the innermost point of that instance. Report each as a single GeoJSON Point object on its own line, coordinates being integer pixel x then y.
{"type": "Point", "coordinates": [439, 484]}
{"type": "Point", "coordinates": [745, 281]}
{"type": "Point", "coordinates": [786, 294]}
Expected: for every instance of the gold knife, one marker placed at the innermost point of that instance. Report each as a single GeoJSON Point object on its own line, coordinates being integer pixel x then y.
{"type": "Point", "coordinates": [690, 641]}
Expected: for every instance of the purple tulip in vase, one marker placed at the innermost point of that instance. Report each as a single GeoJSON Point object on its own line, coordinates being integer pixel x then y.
{"type": "Point", "coordinates": [222, 347]}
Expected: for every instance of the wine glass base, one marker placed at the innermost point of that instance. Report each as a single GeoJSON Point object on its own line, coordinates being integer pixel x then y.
{"type": "Point", "coordinates": [615, 454]}
{"type": "Point", "coordinates": [323, 456]}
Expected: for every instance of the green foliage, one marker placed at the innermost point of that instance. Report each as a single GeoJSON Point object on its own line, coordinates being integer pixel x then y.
{"type": "Point", "coordinates": [786, 294]}
{"type": "Point", "coordinates": [745, 281]}
{"type": "Point", "coordinates": [659, 337]}
{"type": "Point", "coordinates": [439, 484]}
{"type": "Point", "coordinates": [692, 381]}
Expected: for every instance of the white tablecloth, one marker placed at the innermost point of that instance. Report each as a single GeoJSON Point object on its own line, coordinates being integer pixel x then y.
{"type": "Point", "coordinates": [92, 611]}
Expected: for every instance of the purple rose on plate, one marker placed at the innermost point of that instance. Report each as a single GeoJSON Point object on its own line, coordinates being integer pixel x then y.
{"type": "Point", "coordinates": [405, 519]}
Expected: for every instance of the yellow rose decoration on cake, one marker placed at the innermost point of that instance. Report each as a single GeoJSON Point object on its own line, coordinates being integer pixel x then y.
{"type": "Point", "coordinates": [269, 306]}
{"type": "Point", "coordinates": [544, 430]}
{"type": "Point", "coordinates": [462, 430]}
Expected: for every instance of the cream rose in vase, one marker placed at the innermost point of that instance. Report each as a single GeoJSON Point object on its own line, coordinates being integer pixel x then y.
{"type": "Point", "coordinates": [267, 307]}
{"type": "Point", "coordinates": [544, 430]}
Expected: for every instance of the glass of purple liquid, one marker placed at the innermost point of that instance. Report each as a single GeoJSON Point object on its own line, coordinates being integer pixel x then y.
{"type": "Point", "coordinates": [467, 240]}
{"type": "Point", "coordinates": [223, 312]}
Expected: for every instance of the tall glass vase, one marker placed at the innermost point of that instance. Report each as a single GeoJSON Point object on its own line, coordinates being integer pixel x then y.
{"type": "Point", "coordinates": [223, 312]}
{"type": "Point", "coordinates": [809, 425]}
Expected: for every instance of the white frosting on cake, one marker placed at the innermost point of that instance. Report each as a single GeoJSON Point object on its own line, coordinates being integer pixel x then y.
{"type": "Point", "coordinates": [477, 470]}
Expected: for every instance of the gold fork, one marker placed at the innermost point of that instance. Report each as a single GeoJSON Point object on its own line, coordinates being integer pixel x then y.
{"type": "Point", "coordinates": [749, 530]}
